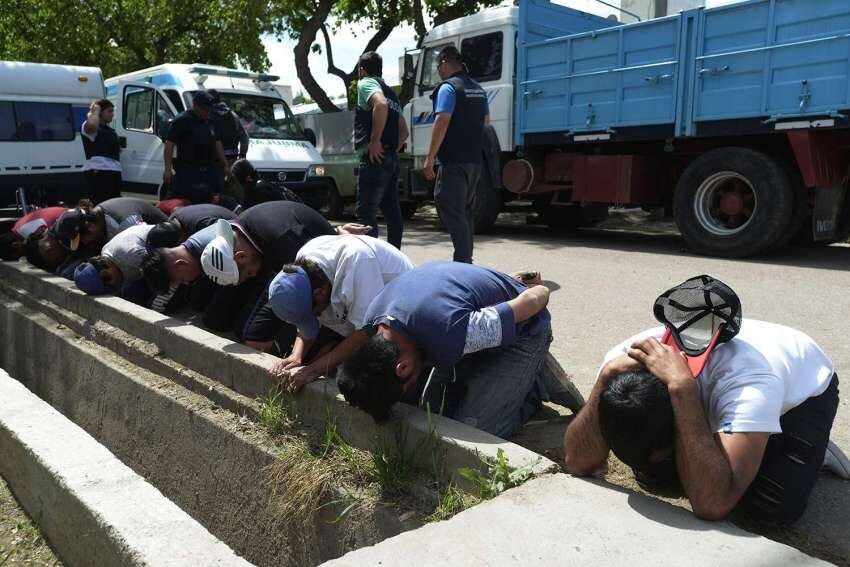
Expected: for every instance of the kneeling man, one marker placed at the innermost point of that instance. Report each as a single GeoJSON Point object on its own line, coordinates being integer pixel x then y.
{"type": "Point", "coordinates": [746, 423]}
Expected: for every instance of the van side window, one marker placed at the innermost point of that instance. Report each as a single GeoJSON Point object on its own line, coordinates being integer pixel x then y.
{"type": "Point", "coordinates": [44, 121]}
{"type": "Point", "coordinates": [174, 97]}
{"type": "Point", "coordinates": [483, 56]}
{"type": "Point", "coordinates": [7, 122]}
{"type": "Point", "coordinates": [138, 109]}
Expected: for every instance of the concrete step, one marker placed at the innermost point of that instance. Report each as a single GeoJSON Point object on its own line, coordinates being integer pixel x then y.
{"type": "Point", "coordinates": [92, 508]}
{"type": "Point", "coordinates": [562, 520]}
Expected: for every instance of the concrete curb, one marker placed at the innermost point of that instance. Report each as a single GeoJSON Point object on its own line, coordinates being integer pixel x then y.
{"type": "Point", "coordinates": [244, 370]}
{"type": "Point", "coordinates": [92, 508]}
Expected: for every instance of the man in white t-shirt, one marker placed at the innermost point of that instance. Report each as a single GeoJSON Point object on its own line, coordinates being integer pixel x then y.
{"type": "Point", "coordinates": [751, 429]}
{"type": "Point", "coordinates": [331, 284]}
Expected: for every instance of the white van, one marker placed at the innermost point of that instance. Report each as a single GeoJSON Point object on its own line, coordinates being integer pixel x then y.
{"type": "Point", "coordinates": [146, 100]}
{"type": "Point", "coordinates": [42, 108]}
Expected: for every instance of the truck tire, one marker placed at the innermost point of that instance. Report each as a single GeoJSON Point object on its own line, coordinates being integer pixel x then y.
{"type": "Point", "coordinates": [570, 217]}
{"type": "Point", "coordinates": [734, 202]}
{"type": "Point", "coordinates": [488, 204]}
{"type": "Point", "coordinates": [334, 206]}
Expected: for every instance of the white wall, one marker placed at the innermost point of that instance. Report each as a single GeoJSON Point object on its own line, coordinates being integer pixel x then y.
{"type": "Point", "coordinates": [646, 8]}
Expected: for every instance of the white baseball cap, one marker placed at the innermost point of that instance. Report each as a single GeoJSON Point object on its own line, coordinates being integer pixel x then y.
{"type": "Point", "coordinates": [217, 258]}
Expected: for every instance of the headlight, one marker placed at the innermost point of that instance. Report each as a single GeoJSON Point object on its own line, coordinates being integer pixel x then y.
{"type": "Point", "coordinates": [316, 171]}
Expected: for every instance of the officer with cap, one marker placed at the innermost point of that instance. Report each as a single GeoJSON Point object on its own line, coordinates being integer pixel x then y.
{"type": "Point", "coordinates": [234, 138]}
{"type": "Point", "coordinates": [461, 109]}
{"type": "Point", "coordinates": [196, 175]}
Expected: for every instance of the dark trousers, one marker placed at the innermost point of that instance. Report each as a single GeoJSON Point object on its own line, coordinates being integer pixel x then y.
{"type": "Point", "coordinates": [377, 186]}
{"type": "Point", "coordinates": [792, 460]}
{"type": "Point", "coordinates": [103, 185]}
{"type": "Point", "coordinates": [198, 183]}
{"type": "Point", "coordinates": [454, 194]}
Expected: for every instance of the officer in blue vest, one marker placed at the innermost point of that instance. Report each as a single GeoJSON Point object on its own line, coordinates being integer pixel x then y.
{"type": "Point", "coordinates": [379, 133]}
{"type": "Point", "coordinates": [461, 109]}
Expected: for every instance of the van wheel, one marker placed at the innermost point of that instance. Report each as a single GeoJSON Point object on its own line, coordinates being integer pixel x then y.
{"type": "Point", "coordinates": [334, 205]}
{"type": "Point", "coordinates": [488, 204]}
{"type": "Point", "coordinates": [734, 202]}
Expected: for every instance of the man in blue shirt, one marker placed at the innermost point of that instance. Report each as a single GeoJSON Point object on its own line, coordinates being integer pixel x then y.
{"type": "Point", "coordinates": [485, 333]}
{"type": "Point", "coordinates": [461, 109]}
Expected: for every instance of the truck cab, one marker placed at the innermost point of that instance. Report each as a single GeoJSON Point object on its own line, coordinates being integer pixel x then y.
{"type": "Point", "coordinates": [147, 100]}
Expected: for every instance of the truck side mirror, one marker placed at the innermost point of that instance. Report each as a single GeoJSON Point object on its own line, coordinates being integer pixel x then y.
{"type": "Point", "coordinates": [409, 69]}
{"type": "Point", "coordinates": [310, 136]}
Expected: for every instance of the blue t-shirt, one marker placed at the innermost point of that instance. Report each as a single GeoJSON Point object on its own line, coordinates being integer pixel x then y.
{"type": "Point", "coordinates": [431, 304]}
{"type": "Point", "coordinates": [446, 100]}
{"type": "Point", "coordinates": [196, 243]}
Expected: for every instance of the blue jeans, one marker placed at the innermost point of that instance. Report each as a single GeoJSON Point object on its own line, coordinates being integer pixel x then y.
{"type": "Point", "coordinates": [377, 186]}
{"type": "Point", "coordinates": [496, 390]}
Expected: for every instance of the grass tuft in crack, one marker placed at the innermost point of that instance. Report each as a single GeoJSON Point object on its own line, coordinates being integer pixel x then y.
{"type": "Point", "coordinates": [275, 410]}
{"type": "Point", "coordinates": [499, 476]}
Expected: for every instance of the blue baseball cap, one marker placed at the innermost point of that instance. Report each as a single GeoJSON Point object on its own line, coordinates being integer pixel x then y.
{"type": "Point", "coordinates": [291, 299]}
{"type": "Point", "coordinates": [87, 278]}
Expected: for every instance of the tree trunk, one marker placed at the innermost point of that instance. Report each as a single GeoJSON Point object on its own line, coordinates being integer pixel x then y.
{"type": "Point", "coordinates": [302, 53]}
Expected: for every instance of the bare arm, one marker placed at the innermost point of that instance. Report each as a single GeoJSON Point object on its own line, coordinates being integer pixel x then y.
{"type": "Point", "coordinates": [92, 119]}
{"type": "Point", "coordinates": [529, 303]}
{"type": "Point", "coordinates": [244, 140]}
{"type": "Point", "coordinates": [347, 347]}
{"type": "Point", "coordinates": [585, 450]}
{"type": "Point", "coordinates": [380, 111]}
{"type": "Point", "coordinates": [715, 469]}
{"type": "Point", "coordinates": [403, 132]}
{"type": "Point", "coordinates": [167, 153]}
{"type": "Point", "coordinates": [486, 119]}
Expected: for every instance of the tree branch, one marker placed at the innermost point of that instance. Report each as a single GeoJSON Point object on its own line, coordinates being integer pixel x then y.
{"type": "Point", "coordinates": [332, 68]}
{"type": "Point", "coordinates": [302, 54]}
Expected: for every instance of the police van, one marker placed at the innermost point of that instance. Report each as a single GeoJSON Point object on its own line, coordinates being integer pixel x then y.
{"type": "Point", "coordinates": [147, 100]}
{"type": "Point", "coordinates": [42, 108]}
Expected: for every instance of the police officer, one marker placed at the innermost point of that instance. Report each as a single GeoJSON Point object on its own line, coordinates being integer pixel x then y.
{"type": "Point", "coordinates": [379, 133]}
{"type": "Point", "coordinates": [234, 138]}
{"type": "Point", "coordinates": [461, 109]}
{"type": "Point", "coordinates": [197, 176]}
{"type": "Point", "coordinates": [100, 144]}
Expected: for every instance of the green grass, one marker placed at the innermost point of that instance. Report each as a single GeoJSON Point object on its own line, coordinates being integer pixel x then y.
{"type": "Point", "coordinates": [394, 466]}
{"type": "Point", "coordinates": [276, 410]}
{"type": "Point", "coordinates": [451, 501]}
{"type": "Point", "coordinates": [498, 478]}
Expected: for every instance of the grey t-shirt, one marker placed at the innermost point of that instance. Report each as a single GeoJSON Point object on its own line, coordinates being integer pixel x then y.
{"type": "Point", "coordinates": [128, 250]}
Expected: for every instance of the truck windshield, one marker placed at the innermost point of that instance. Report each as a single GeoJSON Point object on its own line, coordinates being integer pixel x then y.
{"type": "Point", "coordinates": [263, 116]}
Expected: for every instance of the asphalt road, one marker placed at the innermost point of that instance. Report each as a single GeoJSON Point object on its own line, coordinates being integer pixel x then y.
{"type": "Point", "coordinates": [604, 283]}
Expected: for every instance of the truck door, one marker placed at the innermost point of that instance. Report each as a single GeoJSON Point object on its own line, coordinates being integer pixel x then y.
{"type": "Point", "coordinates": [145, 112]}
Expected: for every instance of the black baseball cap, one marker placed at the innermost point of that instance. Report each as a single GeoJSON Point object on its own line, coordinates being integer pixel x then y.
{"type": "Point", "coordinates": [68, 227]}
{"type": "Point", "coordinates": [698, 314]}
{"type": "Point", "coordinates": [203, 98]}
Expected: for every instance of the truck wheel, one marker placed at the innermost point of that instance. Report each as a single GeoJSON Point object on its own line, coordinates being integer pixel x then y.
{"type": "Point", "coordinates": [734, 202]}
{"type": "Point", "coordinates": [488, 204]}
{"type": "Point", "coordinates": [334, 205]}
{"type": "Point", "coordinates": [408, 209]}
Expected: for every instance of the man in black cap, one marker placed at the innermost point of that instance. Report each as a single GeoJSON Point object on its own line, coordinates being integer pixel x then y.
{"type": "Point", "coordinates": [197, 175]}
{"type": "Point", "coordinates": [735, 411]}
{"type": "Point", "coordinates": [379, 133]}
{"type": "Point", "coordinates": [234, 138]}
{"type": "Point", "coordinates": [461, 109]}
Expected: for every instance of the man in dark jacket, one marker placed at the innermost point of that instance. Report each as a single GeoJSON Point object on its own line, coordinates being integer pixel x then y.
{"type": "Point", "coordinates": [234, 138]}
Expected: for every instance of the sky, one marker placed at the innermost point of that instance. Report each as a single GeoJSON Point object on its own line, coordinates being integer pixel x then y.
{"type": "Point", "coordinates": [348, 43]}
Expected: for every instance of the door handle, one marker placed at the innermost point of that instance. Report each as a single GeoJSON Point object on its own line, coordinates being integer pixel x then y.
{"type": "Point", "coordinates": [713, 70]}
{"type": "Point", "coordinates": [658, 78]}
{"type": "Point", "coordinates": [536, 92]}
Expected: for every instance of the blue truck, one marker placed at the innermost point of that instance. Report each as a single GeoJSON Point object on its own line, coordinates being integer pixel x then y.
{"type": "Point", "coordinates": [736, 119]}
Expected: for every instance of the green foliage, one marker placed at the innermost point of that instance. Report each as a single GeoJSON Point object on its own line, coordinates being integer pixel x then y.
{"type": "Point", "coordinates": [126, 35]}
{"type": "Point", "coordinates": [499, 476]}
{"type": "Point", "coordinates": [451, 501]}
{"type": "Point", "coordinates": [394, 464]}
{"type": "Point", "coordinates": [275, 410]}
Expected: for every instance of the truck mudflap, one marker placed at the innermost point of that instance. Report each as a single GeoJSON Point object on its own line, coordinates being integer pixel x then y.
{"type": "Point", "coordinates": [827, 218]}
{"type": "Point", "coordinates": [492, 157]}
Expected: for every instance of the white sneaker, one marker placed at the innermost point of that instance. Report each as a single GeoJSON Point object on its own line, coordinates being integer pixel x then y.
{"type": "Point", "coordinates": [836, 462]}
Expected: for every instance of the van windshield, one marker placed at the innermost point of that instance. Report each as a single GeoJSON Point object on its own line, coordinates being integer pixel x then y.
{"type": "Point", "coordinates": [263, 116]}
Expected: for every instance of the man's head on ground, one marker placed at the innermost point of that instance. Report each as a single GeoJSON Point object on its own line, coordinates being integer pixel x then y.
{"type": "Point", "coordinates": [368, 380]}
{"type": "Point", "coordinates": [299, 294]}
{"type": "Point", "coordinates": [636, 420]}
{"type": "Point", "coordinates": [44, 251]}
{"type": "Point", "coordinates": [232, 256]}
{"type": "Point", "coordinates": [167, 267]}
{"type": "Point", "coordinates": [244, 172]}
{"type": "Point", "coordinates": [202, 103]}
{"type": "Point", "coordinates": [381, 371]}
{"type": "Point", "coordinates": [449, 62]}
{"type": "Point", "coordinates": [81, 228]}
{"type": "Point", "coordinates": [107, 110]}
{"type": "Point", "coordinates": [98, 276]}
{"type": "Point", "coordinates": [370, 64]}
{"type": "Point", "coordinates": [11, 246]}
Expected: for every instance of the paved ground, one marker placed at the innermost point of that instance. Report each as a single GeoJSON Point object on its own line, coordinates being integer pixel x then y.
{"type": "Point", "coordinates": [20, 540]}
{"type": "Point", "coordinates": [605, 281]}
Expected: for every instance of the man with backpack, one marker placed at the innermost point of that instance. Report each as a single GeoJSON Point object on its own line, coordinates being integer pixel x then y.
{"type": "Point", "coordinates": [234, 138]}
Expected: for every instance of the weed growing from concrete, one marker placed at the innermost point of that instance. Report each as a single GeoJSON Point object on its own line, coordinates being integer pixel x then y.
{"type": "Point", "coordinates": [275, 410]}
{"type": "Point", "coordinates": [394, 464]}
{"type": "Point", "coordinates": [452, 501]}
{"type": "Point", "coordinates": [499, 476]}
